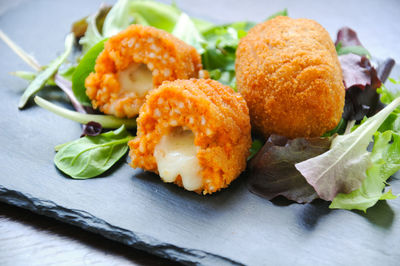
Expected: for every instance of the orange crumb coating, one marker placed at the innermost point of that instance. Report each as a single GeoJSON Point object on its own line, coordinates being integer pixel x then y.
{"type": "Point", "coordinates": [289, 73]}
{"type": "Point", "coordinates": [167, 57]}
{"type": "Point", "coordinates": [218, 117]}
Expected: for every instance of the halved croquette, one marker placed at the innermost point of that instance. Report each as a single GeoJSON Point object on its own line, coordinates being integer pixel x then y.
{"type": "Point", "coordinates": [195, 133]}
{"type": "Point", "coordinates": [134, 62]}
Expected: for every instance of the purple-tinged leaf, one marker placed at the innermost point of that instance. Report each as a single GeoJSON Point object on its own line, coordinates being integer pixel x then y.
{"type": "Point", "coordinates": [272, 170]}
{"type": "Point", "coordinates": [342, 169]}
{"type": "Point", "coordinates": [357, 71]}
{"type": "Point", "coordinates": [361, 81]}
{"type": "Point", "coordinates": [91, 129]}
{"type": "Point", "coordinates": [347, 37]}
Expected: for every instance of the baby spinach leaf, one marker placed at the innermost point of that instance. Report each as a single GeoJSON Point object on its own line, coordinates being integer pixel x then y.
{"type": "Point", "coordinates": [107, 121]}
{"type": "Point", "coordinates": [46, 74]}
{"type": "Point", "coordinates": [385, 157]}
{"type": "Point", "coordinates": [343, 168]}
{"type": "Point", "coordinates": [89, 157]}
{"type": "Point", "coordinates": [84, 68]}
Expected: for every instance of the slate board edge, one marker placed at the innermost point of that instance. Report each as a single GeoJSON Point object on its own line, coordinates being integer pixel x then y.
{"type": "Point", "coordinates": [93, 224]}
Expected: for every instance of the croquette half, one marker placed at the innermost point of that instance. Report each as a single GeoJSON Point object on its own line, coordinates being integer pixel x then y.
{"type": "Point", "coordinates": [289, 74]}
{"type": "Point", "coordinates": [134, 62]}
{"type": "Point", "coordinates": [195, 133]}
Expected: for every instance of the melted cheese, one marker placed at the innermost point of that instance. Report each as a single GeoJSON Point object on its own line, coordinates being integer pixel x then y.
{"type": "Point", "coordinates": [175, 155]}
{"type": "Point", "coordinates": [136, 78]}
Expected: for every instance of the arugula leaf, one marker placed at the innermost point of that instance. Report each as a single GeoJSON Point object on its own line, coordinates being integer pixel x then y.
{"type": "Point", "coordinates": [343, 168]}
{"type": "Point", "coordinates": [107, 121]}
{"type": "Point", "coordinates": [88, 157]}
{"type": "Point", "coordinates": [84, 68]}
{"type": "Point", "coordinates": [385, 157]}
{"type": "Point", "coordinates": [46, 74]}
{"type": "Point", "coordinates": [272, 170]}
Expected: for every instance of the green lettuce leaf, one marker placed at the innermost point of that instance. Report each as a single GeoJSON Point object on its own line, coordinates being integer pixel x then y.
{"type": "Point", "coordinates": [151, 13]}
{"type": "Point", "coordinates": [186, 30]}
{"type": "Point", "coordinates": [385, 157]}
{"type": "Point", "coordinates": [343, 168]}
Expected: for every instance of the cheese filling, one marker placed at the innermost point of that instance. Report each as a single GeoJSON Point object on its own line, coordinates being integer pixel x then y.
{"type": "Point", "coordinates": [136, 78]}
{"type": "Point", "coordinates": [175, 155]}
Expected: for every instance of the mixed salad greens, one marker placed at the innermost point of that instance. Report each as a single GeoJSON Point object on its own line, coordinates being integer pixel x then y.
{"type": "Point", "coordinates": [336, 167]}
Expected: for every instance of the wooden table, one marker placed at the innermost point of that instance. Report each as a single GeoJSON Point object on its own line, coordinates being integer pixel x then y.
{"type": "Point", "coordinates": [30, 239]}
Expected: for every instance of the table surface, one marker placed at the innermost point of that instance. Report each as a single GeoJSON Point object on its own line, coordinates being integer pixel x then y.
{"type": "Point", "coordinates": [27, 238]}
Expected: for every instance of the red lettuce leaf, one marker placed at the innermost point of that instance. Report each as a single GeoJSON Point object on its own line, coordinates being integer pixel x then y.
{"type": "Point", "coordinates": [347, 37]}
{"type": "Point", "coordinates": [360, 79]}
{"type": "Point", "coordinates": [92, 129]}
{"type": "Point", "coordinates": [272, 171]}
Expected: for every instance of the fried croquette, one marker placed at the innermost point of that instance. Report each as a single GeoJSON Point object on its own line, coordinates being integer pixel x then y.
{"type": "Point", "coordinates": [195, 133]}
{"type": "Point", "coordinates": [134, 62]}
{"type": "Point", "coordinates": [289, 74]}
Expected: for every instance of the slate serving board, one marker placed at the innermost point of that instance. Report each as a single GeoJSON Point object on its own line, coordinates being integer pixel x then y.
{"type": "Point", "coordinates": [136, 208]}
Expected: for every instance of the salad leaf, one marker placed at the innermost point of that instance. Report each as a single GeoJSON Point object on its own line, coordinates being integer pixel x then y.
{"type": "Point", "coordinates": [92, 129]}
{"type": "Point", "coordinates": [343, 168]}
{"type": "Point", "coordinates": [256, 146]}
{"type": "Point", "coordinates": [357, 71]}
{"type": "Point", "coordinates": [30, 76]}
{"type": "Point", "coordinates": [187, 32]}
{"type": "Point", "coordinates": [273, 171]}
{"type": "Point", "coordinates": [30, 60]}
{"type": "Point", "coordinates": [88, 157]}
{"type": "Point", "coordinates": [357, 50]}
{"type": "Point", "coordinates": [84, 68]}
{"type": "Point", "coordinates": [92, 35]}
{"type": "Point", "coordinates": [46, 74]}
{"type": "Point", "coordinates": [107, 121]}
{"type": "Point", "coordinates": [126, 12]}
{"type": "Point", "coordinates": [283, 12]}
{"type": "Point", "coordinates": [219, 55]}
{"type": "Point", "coordinates": [385, 157]}
{"type": "Point", "coordinates": [347, 37]}
{"type": "Point", "coordinates": [361, 81]}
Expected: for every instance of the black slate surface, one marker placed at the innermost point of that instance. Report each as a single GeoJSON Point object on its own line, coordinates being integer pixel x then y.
{"type": "Point", "coordinates": [136, 208]}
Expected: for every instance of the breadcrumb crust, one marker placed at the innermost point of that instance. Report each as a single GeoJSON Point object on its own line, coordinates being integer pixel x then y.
{"type": "Point", "coordinates": [167, 57]}
{"type": "Point", "coordinates": [217, 116]}
{"type": "Point", "coordinates": [289, 73]}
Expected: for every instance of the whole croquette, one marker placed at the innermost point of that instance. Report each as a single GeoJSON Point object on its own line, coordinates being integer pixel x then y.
{"type": "Point", "coordinates": [135, 61]}
{"type": "Point", "coordinates": [289, 74]}
{"type": "Point", "coordinates": [195, 133]}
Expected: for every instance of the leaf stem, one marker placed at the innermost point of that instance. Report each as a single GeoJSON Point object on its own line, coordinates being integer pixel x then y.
{"type": "Point", "coordinates": [21, 53]}
{"type": "Point", "coordinates": [107, 121]}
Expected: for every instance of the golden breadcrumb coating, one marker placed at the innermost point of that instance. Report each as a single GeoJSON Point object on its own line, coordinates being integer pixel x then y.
{"type": "Point", "coordinates": [216, 115]}
{"type": "Point", "coordinates": [289, 74]}
{"type": "Point", "coordinates": [167, 57]}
